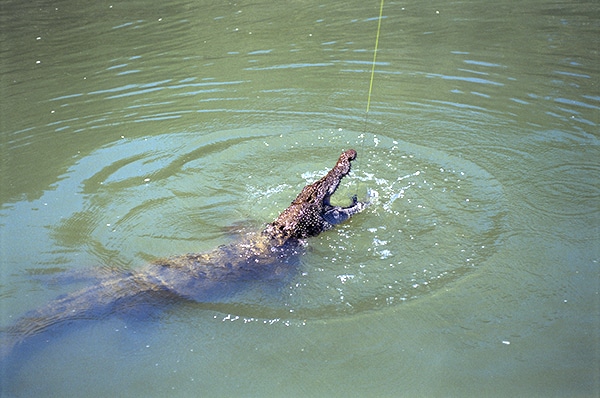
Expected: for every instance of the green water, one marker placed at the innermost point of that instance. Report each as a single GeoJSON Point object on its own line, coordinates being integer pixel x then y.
{"type": "Point", "coordinates": [136, 130]}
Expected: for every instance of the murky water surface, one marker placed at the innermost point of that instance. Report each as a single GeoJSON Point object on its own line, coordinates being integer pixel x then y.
{"type": "Point", "coordinates": [132, 131]}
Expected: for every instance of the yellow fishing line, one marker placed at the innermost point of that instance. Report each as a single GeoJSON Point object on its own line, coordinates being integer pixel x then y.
{"type": "Point", "coordinates": [374, 57]}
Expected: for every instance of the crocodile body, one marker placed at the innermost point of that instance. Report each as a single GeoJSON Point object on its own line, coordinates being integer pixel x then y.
{"type": "Point", "coordinates": [205, 277]}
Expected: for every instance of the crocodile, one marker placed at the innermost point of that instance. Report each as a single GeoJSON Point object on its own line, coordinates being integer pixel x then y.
{"type": "Point", "coordinates": [204, 277]}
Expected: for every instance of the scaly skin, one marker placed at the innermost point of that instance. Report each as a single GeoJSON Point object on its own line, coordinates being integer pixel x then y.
{"type": "Point", "coordinates": [206, 277]}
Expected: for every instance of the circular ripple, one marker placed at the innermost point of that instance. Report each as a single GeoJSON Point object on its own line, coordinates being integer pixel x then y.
{"type": "Point", "coordinates": [434, 217]}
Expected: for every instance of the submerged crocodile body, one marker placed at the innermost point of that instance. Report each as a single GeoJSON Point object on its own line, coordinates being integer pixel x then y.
{"type": "Point", "coordinates": [205, 277]}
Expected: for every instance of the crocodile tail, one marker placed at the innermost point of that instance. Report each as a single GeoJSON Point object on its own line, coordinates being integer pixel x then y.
{"type": "Point", "coordinates": [96, 302]}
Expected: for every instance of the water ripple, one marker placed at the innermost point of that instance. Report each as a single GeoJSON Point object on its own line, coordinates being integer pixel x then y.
{"type": "Point", "coordinates": [435, 218]}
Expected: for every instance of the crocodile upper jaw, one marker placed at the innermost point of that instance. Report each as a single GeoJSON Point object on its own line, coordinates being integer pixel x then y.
{"type": "Point", "coordinates": [311, 212]}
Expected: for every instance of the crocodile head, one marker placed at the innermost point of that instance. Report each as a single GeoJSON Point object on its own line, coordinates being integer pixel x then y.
{"type": "Point", "coordinates": [311, 213]}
